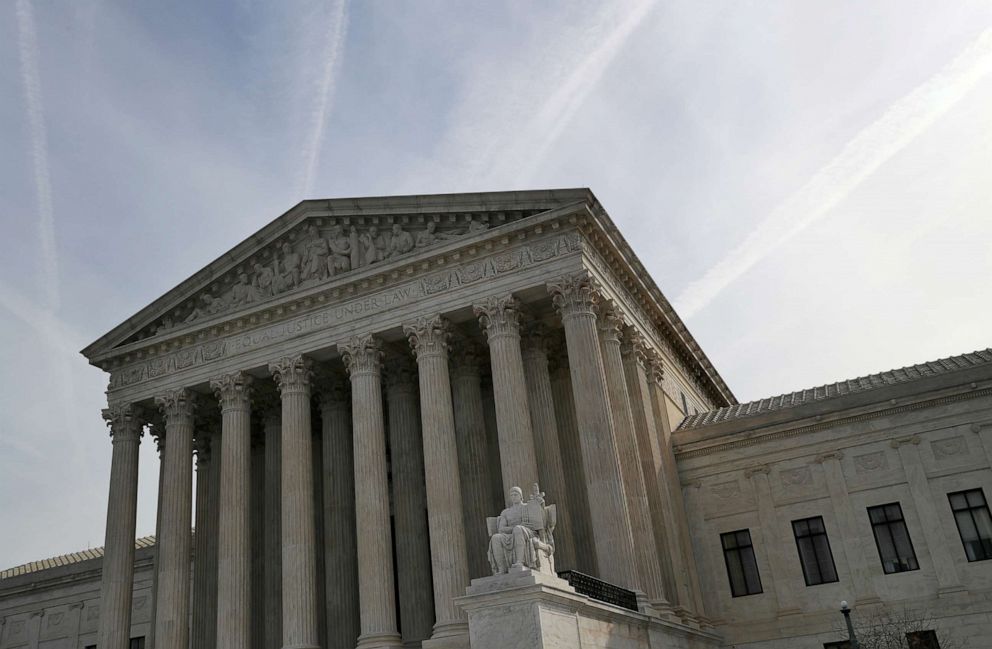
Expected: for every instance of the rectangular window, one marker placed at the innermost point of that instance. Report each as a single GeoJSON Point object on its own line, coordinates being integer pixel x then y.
{"type": "Point", "coordinates": [137, 643]}
{"type": "Point", "coordinates": [840, 644]}
{"type": "Point", "coordinates": [895, 548]}
{"type": "Point", "coordinates": [814, 551]}
{"type": "Point", "coordinates": [971, 513]}
{"type": "Point", "coordinates": [922, 639]}
{"type": "Point", "coordinates": [742, 569]}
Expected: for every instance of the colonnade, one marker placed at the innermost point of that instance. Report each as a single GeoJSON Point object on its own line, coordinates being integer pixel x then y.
{"type": "Point", "coordinates": [406, 466]}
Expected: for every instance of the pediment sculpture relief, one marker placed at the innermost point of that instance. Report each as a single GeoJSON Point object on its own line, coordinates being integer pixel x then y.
{"type": "Point", "coordinates": [295, 262]}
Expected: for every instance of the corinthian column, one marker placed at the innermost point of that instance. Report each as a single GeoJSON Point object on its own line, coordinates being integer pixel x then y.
{"type": "Point", "coordinates": [474, 465]}
{"type": "Point", "coordinates": [340, 559]}
{"type": "Point", "coordinates": [645, 550]}
{"type": "Point", "coordinates": [234, 542]}
{"type": "Point", "coordinates": [449, 559]}
{"type": "Point", "coordinates": [362, 358]}
{"type": "Point", "coordinates": [299, 539]}
{"type": "Point", "coordinates": [117, 580]}
{"type": "Point", "coordinates": [172, 618]}
{"type": "Point", "coordinates": [257, 526]}
{"type": "Point", "coordinates": [576, 299]}
{"type": "Point", "coordinates": [413, 554]}
{"type": "Point", "coordinates": [571, 458]}
{"type": "Point", "coordinates": [635, 364]}
{"type": "Point", "coordinates": [202, 563]}
{"type": "Point", "coordinates": [545, 425]}
{"type": "Point", "coordinates": [272, 430]}
{"type": "Point", "coordinates": [500, 319]}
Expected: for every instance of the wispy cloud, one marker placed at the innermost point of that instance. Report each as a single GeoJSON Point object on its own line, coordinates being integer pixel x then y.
{"type": "Point", "coordinates": [515, 107]}
{"type": "Point", "coordinates": [325, 86]}
{"type": "Point", "coordinates": [872, 147]}
{"type": "Point", "coordinates": [30, 77]}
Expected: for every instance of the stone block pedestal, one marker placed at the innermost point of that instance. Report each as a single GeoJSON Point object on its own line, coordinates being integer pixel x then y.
{"type": "Point", "coordinates": [526, 609]}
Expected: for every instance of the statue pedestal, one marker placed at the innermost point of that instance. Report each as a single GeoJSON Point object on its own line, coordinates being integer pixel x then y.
{"type": "Point", "coordinates": [527, 609]}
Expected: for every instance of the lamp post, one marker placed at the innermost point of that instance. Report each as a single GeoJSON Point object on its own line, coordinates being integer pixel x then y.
{"type": "Point", "coordinates": [851, 637]}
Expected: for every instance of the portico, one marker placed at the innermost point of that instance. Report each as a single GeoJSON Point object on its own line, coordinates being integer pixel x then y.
{"type": "Point", "coordinates": [350, 338]}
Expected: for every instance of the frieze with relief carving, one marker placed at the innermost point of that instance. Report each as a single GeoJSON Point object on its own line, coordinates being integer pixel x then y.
{"type": "Point", "coordinates": [319, 250]}
{"type": "Point", "coordinates": [464, 274]}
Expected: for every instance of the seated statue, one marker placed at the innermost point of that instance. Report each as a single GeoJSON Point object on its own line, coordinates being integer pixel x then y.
{"type": "Point", "coordinates": [522, 535]}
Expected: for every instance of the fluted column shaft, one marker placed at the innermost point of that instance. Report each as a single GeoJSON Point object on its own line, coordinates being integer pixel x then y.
{"type": "Point", "coordinates": [575, 298]}
{"type": "Point", "coordinates": [496, 493]}
{"type": "Point", "coordinates": [234, 540]}
{"type": "Point", "coordinates": [500, 319]}
{"type": "Point", "coordinates": [257, 525]}
{"type": "Point", "coordinates": [635, 358]}
{"type": "Point", "coordinates": [340, 558]}
{"type": "Point", "coordinates": [117, 579]}
{"type": "Point", "coordinates": [571, 457]}
{"type": "Point", "coordinates": [362, 357]}
{"type": "Point", "coordinates": [413, 554]}
{"type": "Point", "coordinates": [158, 432]}
{"type": "Point", "coordinates": [299, 540]}
{"type": "Point", "coordinates": [202, 577]}
{"type": "Point", "coordinates": [683, 563]}
{"type": "Point", "coordinates": [474, 465]}
{"type": "Point", "coordinates": [645, 549]}
{"type": "Point", "coordinates": [272, 427]}
{"type": "Point", "coordinates": [449, 559]}
{"type": "Point", "coordinates": [545, 425]}
{"type": "Point", "coordinates": [172, 620]}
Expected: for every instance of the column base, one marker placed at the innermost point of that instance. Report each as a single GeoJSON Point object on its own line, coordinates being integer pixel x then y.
{"type": "Point", "coordinates": [379, 641]}
{"type": "Point", "coordinates": [454, 641]}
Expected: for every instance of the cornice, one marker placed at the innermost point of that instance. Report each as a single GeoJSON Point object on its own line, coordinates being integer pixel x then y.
{"type": "Point", "coordinates": [692, 450]}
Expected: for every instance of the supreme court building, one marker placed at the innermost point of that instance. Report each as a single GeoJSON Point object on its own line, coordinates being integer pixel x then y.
{"type": "Point", "coordinates": [358, 385]}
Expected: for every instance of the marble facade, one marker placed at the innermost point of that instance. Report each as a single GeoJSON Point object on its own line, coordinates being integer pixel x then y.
{"type": "Point", "coordinates": [332, 375]}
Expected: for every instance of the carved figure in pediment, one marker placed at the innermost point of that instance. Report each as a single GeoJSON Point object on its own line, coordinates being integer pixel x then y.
{"type": "Point", "coordinates": [479, 225]}
{"type": "Point", "coordinates": [262, 282]}
{"type": "Point", "coordinates": [401, 241]}
{"type": "Point", "coordinates": [430, 236]}
{"type": "Point", "coordinates": [208, 305]}
{"type": "Point", "coordinates": [168, 322]}
{"type": "Point", "coordinates": [340, 250]}
{"type": "Point", "coordinates": [374, 244]}
{"type": "Point", "coordinates": [291, 262]}
{"type": "Point", "coordinates": [315, 254]}
{"type": "Point", "coordinates": [241, 292]}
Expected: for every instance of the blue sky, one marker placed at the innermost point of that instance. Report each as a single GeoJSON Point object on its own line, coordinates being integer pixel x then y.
{"type": "Point", "coordinates": [808, 182]}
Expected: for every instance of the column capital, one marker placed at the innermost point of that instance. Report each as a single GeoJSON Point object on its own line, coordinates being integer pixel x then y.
{"type": "Point", "coordinates": [292, 373]}
{"type": "Point", "coordinates": [575, 294]}
{"type": "Point", "coordinates": [535, 339]}
{"type": "Point", "coordinates": [400, 374]}
{"type": "Point", "coordinates": [125, 420]}
{"type": "Point", "coordinates": [635, 346]}
{"type": "Point", "coordinates": [331, 389]}
{"type": "Point", "coordinates": [176, 403]}
{"type": "Point", "coordinates": [655, 368]}
{"type": "Point", "coordinates": [465, 355]}
{"type": "Point", "coordinates": [428, 336]}
{"type": "Point", "coordinates": [499, 315]}
{"type": "Point", "coordinates": [233, 390]}
{"type": "Point", "coordinates": [201, 447]}
{"type": "Point", "coordinates": [362, 355]}
{"type": "Point", "coordinates": [911, 439]}
{"type": "Point", "coordinates": [611, 323]}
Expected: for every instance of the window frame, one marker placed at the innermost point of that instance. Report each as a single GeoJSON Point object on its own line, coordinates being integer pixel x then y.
{"type": "Point", "coordinates": [830, 552]}
{"type": "Point", "coordinates": [737, 550]}
{"type": "Point", "coordinates": [986, 544]}
{"type": "Point", "coordinates": [887, 524]}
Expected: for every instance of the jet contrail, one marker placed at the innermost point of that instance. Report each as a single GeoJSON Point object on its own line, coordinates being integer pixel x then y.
{"type": "Point", "coordinates": [872, 147]}
{"type": "Point", "coordinates": [28, 50]}
{"type": "Point", "coordinates": [337, 29]}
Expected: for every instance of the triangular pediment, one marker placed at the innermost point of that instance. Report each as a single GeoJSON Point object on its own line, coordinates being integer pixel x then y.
{"type": "Point", "coordinates": [322, 241]}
